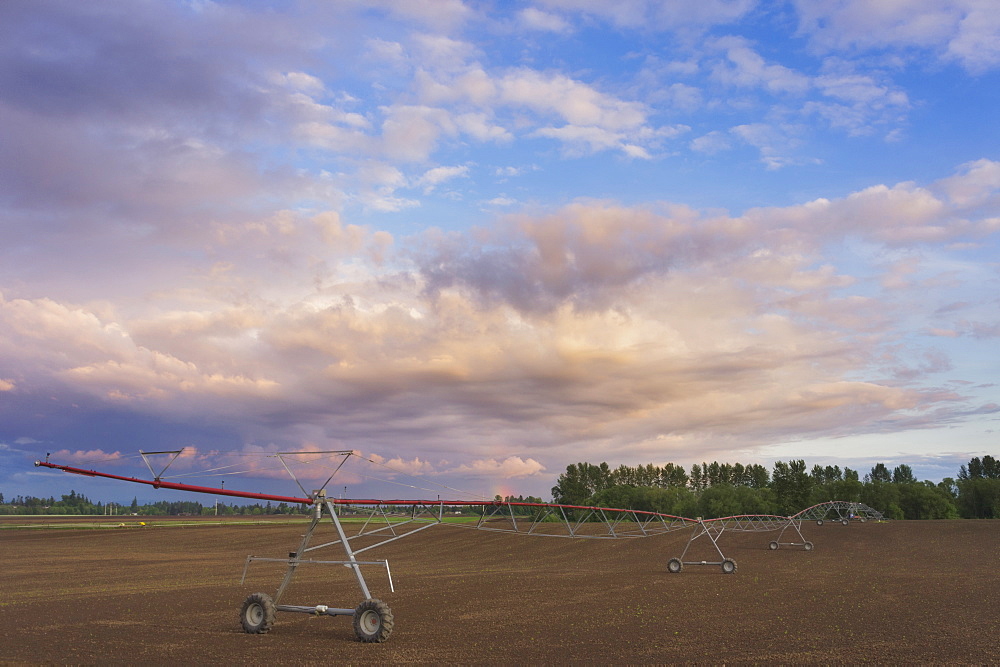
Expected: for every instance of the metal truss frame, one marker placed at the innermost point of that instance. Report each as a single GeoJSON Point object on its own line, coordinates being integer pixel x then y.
{"type": "Point", "coordinates": [841, 511]}
{"type": "Point", "coordinates": [373, 619]}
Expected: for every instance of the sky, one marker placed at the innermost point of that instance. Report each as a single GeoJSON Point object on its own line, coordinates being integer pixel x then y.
{"type": "Point", "coordinates": [477, 241]}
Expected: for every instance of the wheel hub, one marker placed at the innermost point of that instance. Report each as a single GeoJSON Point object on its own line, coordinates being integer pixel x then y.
{"type": "Point", "coordinates": [370, 621]}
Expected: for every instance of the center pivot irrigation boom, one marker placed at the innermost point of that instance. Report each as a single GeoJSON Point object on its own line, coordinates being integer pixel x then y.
{"type": "Point", "coordinates": [390, 520]}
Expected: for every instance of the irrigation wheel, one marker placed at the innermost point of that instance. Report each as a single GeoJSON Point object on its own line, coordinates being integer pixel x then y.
{"type": "Point", "coordinates": [728, 566]}
{"type": "Point", "coordinates": [257, 613]}
{"type": "Point", "coordinates": [373, 621]}
{"type": "Point", "coordinates": [808, 546]}
{"type": "Point", "coordinates": [772, 546]}
{"type": "Point", "coordinates": [674, 565]}
{"type": "Point", "coordinates": [846, 522]}
{"type": "Point", "coordinates": [819, 522]}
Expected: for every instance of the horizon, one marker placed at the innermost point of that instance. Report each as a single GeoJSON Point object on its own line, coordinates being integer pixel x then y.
{"type": "Point", "coordinates": [378, 487]}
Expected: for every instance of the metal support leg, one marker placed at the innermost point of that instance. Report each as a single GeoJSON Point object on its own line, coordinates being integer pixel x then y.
{"type": "Point", "coordinates": [713, 533]}
{"type": "Point", "coordinates": [293, 561]}
{"type": "Point", "coordinates": [803, 542]}
{"type": "Point", "coordinates": [349, 552]}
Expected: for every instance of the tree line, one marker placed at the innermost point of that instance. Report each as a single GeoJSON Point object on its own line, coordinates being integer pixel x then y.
{"type": "Point", "coordinates": [75, 503]}
{"type": "Point", "coordinates": [723, 489]}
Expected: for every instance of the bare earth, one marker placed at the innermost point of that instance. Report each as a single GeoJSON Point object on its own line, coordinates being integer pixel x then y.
{"type": "Point", "coordinates": [891, 592]}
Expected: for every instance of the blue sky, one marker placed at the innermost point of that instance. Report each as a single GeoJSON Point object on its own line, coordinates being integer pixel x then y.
{"type": "Point", "coordinates": [483, 240]}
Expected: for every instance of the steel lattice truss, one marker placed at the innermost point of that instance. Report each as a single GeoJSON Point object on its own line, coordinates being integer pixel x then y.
{"type": "Point", "coordinates": [374, 523]}
{"type": "Point", "coordinates": [839, 510]}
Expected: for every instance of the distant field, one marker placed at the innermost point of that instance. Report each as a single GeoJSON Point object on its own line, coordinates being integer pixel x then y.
{"type": "Point", "coordinates": [897, 592]}
{"type": "Point", "coordinates": [62, 521]}
{"type": "Point", "coordinates": [52, 521]}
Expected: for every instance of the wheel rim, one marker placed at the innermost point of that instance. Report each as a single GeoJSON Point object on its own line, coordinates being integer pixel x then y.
{"type": "Point", "coordinates": [255, 614]}
{"type": "Point", "coordinates": [728, 566]}
{"type": "Point", "coordinates": [370, 622]}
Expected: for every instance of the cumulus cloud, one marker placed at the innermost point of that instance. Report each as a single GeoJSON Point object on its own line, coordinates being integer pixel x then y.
{"type": "Point", "coordinates": [513, 467]}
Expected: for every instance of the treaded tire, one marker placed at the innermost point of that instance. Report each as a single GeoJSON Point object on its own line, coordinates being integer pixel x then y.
{"type": "Point", "coordinates": [373, 621]}
{"type": "Point", "coordinates": [729, 566]}
{"type": "Point", "coordinates": [674, 565]}
{"type": "Point", "coordinates": [846, 522]}
{"type": "Point", "coordinates": [257, 613]}
{"type": "Point", "coordinates": [808, 546]}
{"type": "Point", "coordinates": [819, 522]}
{"type": "Point", "coordinates": [772, 546]}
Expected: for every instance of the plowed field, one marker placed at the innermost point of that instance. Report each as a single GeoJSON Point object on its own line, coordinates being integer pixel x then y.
{"type": "Point", "coordinates": [876, 592]}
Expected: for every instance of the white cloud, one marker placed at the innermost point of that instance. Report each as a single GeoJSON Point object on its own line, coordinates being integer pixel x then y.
{"type": "Point", "coordinates": [441, 52]}
{"type": "Point", "coordinates": [976, 183]}
{"type": "Point", "coordinates": [713, 142]}
{"type": "Point", "coordinates": [533, 18]}
{"type": "Point", "coordinates": [775, 143]}
{"type": "Point", "coordinates": [512, 467]}
{"type": "Point", "coordinates": [977, 44]}
{"type": "Point", "coordinates": [442, 15]}
{"type": "Point", "coordinates": [576, 103]}
{"type": "Point", "coordinates": [657, 14]}
{"type": "Point", "coordinates": [438, 175]}
{"type": "Point", "coordinates": [746, 68]}
{"type": "Point", "coordinates": [967, 31]}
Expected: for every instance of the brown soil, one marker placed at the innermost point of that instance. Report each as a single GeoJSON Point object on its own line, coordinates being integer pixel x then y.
{"type": "Point", "coordinates": [898, 592]}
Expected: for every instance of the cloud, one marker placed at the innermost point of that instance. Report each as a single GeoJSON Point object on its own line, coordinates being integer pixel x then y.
{"type": "Point", "coordinates": [710, 143]}
{"type": "Point", "coordinates": [221, 221]}
{"type": "Point", "coordinates": [89, 457]}
{"type": "Point", "coordinates": [976, 184]}
{"type": "Point", "coordinates": [965, 31]}
{"type": "Point", "coordinates": [651, 14]}
{"type": "Point", "coordinates": [600, 324]}
{"type": "Point", "coordinates": [443, 15]}
{"type": "Point", "coordinates": [533, 18]}
{"type": "Point", "coordinates": [513, 467]}
{"type": "Point", "coordinates": [438, 175]}
{"type": "Point", "coordinates": [744, 67]}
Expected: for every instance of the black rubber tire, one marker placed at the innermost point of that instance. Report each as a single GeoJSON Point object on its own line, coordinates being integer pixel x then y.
{"type": "Point", "coordinates": [373, 621]}
{"type": "Point", "coordinates": [808, 546]}
{"type": "Point", "coordinates": [819, 522]}
{"type": "Point", "coordinates": [257, 613]}
{"type": "Point", "coordinates": [729, 566]}
{"type": "Point", "coordinates": [674, 565]}
{"type": "Point", "coordinates": [772, 546]}
{"type": "Point", "coordinates": [846, 522]}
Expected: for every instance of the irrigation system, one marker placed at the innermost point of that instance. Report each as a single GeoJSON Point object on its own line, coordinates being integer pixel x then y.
{"type": "Point", "coordinates": [378, 522]}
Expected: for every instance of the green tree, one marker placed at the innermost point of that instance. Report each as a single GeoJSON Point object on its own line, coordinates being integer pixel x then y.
{"type": "Point", "coordinates": [580, 482]}
{"type": "Point", "coordinates": [925, 500]}
{"type": "Point", "coordinates": [879, 474]}
{"type": "Point", "coordinates": [791, 485]}
{"type": "Point", "coordinates": [903, 474]}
